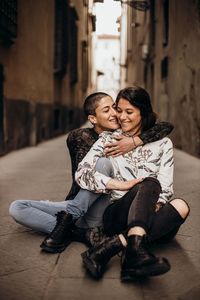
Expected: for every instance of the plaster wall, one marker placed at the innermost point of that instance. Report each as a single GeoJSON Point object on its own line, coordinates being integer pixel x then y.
{"type": "Point", "coordinates": [28, 63]}
{"type": "Point", "coordinates": [170, 71]}
{"type": "Point", "coordinates": [178, 94]}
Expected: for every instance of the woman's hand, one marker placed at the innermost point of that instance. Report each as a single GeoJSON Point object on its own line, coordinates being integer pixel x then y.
{"type": "Point", "coordinates": [159, 205]}
{"type": "Point", "coordinates": [122, 145]}
{"type": "Point", "coordinates": [115, 184]}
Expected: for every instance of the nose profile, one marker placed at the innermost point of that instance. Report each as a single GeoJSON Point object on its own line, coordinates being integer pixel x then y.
{"type": "Point", "coordinates": [113, 112]}
{"type": "Point", "coordinates": [122, 115]}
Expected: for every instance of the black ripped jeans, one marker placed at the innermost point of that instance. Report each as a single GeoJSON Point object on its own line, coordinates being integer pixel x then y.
{"type": "Point", "coordinates": [137, 208]}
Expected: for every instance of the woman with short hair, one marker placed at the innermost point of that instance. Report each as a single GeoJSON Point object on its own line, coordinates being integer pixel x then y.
{"type": "Point", "coordinates": [140, 184]}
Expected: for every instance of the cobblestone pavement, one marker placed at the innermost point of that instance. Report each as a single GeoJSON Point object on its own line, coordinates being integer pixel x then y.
{"type": "Point", "coordinates": [43, 172]}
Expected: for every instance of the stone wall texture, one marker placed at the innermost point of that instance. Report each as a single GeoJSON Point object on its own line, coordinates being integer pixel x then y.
{"type": "Point", "coordinates": [163, 55]}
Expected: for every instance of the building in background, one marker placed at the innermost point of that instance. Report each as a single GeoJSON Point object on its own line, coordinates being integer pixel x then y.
{"type": "Point", "coordinates": [47, 64]}
{"type": "Point", "coordinates": [160, 50]}
{"type": "Point", "coordinates": [45, 68]}
{"type": "Point", "coordinates": [106, 45]}
{"type": "Point", "coordinates": [106, 63]}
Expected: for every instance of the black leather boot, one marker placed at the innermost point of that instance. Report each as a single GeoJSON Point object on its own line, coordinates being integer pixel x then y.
{"type": "Point", "coordinates": [89, 236]}
{"type": "Point", "coordinates": [138, 262]}
{"type": "Point", "coordinates": [95, 259]}
{"type": "Point", "coordinates": [60, 237]}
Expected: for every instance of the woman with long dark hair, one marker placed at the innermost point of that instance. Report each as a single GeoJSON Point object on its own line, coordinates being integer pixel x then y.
{"type": "Point", "coordinates": [140, 212]}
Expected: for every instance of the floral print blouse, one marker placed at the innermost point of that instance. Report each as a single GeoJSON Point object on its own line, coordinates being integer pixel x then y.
{"type": "Point", "coordinates": [79, 142]}
{"type": "Point", "coordinates": [154, 159]}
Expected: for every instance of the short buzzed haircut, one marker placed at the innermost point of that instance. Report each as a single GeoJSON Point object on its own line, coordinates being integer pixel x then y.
{"type": "Point", "coordinates": [91, 102]}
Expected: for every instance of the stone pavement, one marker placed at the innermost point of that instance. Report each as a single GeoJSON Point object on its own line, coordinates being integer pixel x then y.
{"type": "Point", "coordinates": [43, 172]}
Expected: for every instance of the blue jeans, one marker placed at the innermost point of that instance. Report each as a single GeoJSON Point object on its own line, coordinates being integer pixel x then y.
{"type": "Point", "coordinates": [87, 206]}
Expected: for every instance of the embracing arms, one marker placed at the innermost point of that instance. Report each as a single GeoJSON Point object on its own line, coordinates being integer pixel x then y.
{"type": "Point", "coordinates": [87, 176]}
{"type": "Point", "coordinates": [125, 144]}
{"type": "Point", "coordinates": [79, 142]}
{"type": "Point", "coordinates": [114, 184]}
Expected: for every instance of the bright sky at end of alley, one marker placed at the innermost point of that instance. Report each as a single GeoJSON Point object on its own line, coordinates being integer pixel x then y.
{"type": "Point", "coordinates": [107, 14]}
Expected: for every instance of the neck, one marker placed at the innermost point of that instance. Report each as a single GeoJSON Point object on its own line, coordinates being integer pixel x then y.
{"type": "Point", "coordinates": [97, 129]}
{"type": "Point", "coordinates": [135, 132]}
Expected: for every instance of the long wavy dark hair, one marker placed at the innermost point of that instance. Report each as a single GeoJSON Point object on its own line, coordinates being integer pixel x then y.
{"type": "Point", "coordinates": [139, 97]}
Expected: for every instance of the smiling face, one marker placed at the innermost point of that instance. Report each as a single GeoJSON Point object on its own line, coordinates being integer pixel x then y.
{"type": "Point", "coordinates": [105, 117]}
{"type": "Point", "coordinates": [129, 117]}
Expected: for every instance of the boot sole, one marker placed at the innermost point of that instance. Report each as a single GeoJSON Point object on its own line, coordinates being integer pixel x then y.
{"type": "Point", "coordinates": [54, 250]}
{"type": "Point", "coordinates": [162, 266]}
{"type": "Point", "coordinates": [90, 266]}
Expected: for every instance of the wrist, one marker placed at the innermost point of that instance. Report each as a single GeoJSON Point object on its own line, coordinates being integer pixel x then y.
{"type": "Point", "coordinates": [159, 205]}
{"type": "Point", "coordinates": [134, 143]}
{"type": "Point", "coordinates": [137, 141]}
{"type": "Point", "coordinates": [114, 184]}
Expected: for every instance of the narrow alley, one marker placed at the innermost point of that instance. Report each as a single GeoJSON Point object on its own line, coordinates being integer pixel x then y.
{"type": "Point", "coordinates": [43, 172]}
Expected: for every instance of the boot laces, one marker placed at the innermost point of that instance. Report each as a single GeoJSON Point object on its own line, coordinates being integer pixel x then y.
{"type": "Point", "coordinates": [95, 236]}
{"type": "Point", "coordinates": [104, 253]}
{"type": "Point", "coordinates": [59, 228]}
{"type": "Point", "coordinates": [107, 249]}
{"type": "Point", "coordinates": [144, 251]}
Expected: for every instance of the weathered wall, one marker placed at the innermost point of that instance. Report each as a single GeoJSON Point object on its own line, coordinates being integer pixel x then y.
{"type": "Point", "coordinates": [184, 75]}
{"type": "Point", "coordinates": [177, 94]}
{"type": "Point", "coordinates": [28, 76]}
{"type": "Point", "coordinates": [28, 63]}
{"type": "Point", "coordinates": [171, 70]}
{"type": "Point", "coordinates": [35, 102]}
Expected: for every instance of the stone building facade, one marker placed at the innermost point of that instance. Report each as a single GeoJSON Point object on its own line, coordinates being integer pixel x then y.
{"type": "Point", "coordinates": [45, 50]}
{"type": "Point", "coordinates": [160, 51]}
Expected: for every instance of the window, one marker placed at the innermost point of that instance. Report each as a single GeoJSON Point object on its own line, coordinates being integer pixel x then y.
{"type": "Point", "coordinates": [1, 109]}
{"type": "Point", "coordinates": [84, 65]}
{"type": "Point", "coordinates": [152, 23]}
{"type": "Point", "coordinates": [73, 46]}
{"type": "Point", "coordinates": [198, 8]}
{"type": "Point", "coordinates": [93, 21]}
{"type": "Point", "coordinates": [164, 68]}
{"type": "Point", "coordinates": [61, 37]}
{"type": "Point", "coordinates": [8, 21]}
{"type": "Point", "coordinates": [165, 22]}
